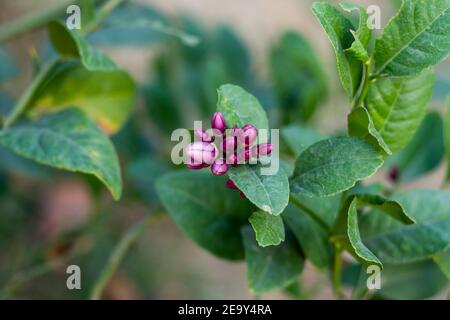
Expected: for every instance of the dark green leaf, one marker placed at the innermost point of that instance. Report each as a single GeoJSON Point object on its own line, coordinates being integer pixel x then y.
{"type": "Point", "coordinates": [269, 229]}
{"type": "Point", "coordinates": [272, 267]}
{"type": "Point", "coordinates": [416, 38]}
{"type": "Point", "coordinates": [67, 140]}
{"type": "Point", "coordinates": [334, 165]}
{"type": "Point", "coordinates": [299, 137]}
{"type": "Point", "coordinates": [207, 211]}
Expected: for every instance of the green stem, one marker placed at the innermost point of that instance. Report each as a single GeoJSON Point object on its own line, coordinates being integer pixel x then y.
{"type": "Point", "coordinates": [337, 270]}
{"type": "Point", "coordinates": [310, 213]}
{"type": "Point", "coordinates": [34, 20]}
{"type": "Point", "coordinates": [22, 104]}
{"type": "Point", "coordinates": [364, 87]}
{"type": "Point", "coordinates": [117, 256]}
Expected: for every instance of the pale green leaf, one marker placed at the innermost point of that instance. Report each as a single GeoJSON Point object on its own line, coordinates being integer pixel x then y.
{"type": "Point", "coordinates": [269, 229]}
{"type": "Point", "coordinates": [67, 140]}
{"type": "Point", "coordinates": [416, 38]}
{"type": "Point", "coordinates": [398, 105]}
{"type": "Point", "coordinates": [268, 192]}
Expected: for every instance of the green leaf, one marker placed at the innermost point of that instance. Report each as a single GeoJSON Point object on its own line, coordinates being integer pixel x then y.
{"type": "Point", "coordinates": [270, 193]}
{"type": "Point", "coordinates": [313, 239]}
{"type": "Point", "coordinates": [106, 97]}
{"type": "Point", "coordinates": [395, 243]}
{"type": "Point", "coordinates": [326, 208]}
{"type": "Point", "coordinates": [208, 212]}
{"type": "Point", "coordinates": [270, 268]}
{"type": "Point", "coordinates": [70, 44]}
{"type": "Point", "coordinates": [269, 229]}
{"type": "Point", "coordinates": [67, 140]}
{"type": "Point", "coordinates": [443, 262]}
{"type": "Point", "coordinates": [416, 38]}
{"type": "Point", "coordinates": [447, 136]}
{"type": "Point", "coordinates": [334, 165]}
{"type": "Point", "coordinates": [299, 137]}
{"type": "Point", "coordinates": [362, 35]}
{"type": "Point", "coordinates": [338, 29]}
{"type": "Point", "coordinates": [298, 77]}
{"type": "Point", "coordinates": [354, 237]}
{"type": "Point", "coordinates": [398, 105]}
{"type": "Point", "coordinates": [240, 107]}
{"type": "Point", "coordinates": [423, 153]}
{"type": "Point", "coordinates": [360, 125]}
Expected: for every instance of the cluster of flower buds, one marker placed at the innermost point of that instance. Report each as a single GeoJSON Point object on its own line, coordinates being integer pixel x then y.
{"type": "Point", "coordinates": [235, 146]}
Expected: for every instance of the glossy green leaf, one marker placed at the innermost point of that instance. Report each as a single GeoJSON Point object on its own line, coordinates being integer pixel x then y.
{"type": "Point", "coordinates": [269, 229]}
{"type": "Point", "coordinates": [312, 238]}
{"type": "Point", "coordinates": [416, 38]}
{"type": "Point", "coordinates": [107, 97]}
{"type": "Point", "coordinates": [398, 105]}
{"type": "Point", "coordinates": [360, 125]}
{"type": "Point", "coordinates": [334, 165]}
{"type": "Point", "coordinates": [447, 136]}
{"type": "Point", "coordinates": [270, 268]}
{"type": "Point", "coordinates": [423, 153]}
{"type": "Point", "coordinates": [326, 208]}
{"type": "Point", "coordinates": [338, 29]}
{"type": "Point", "coordinates": [299, 137]}
{"type": "Point", "coordinates": [362, 36]}
{"type": "Point", "coordinates": [67, 140]}
{"type": "Point", "coordinates": [240, 107]}
{"type": "Point", "coordinates": [206, 210]}
{"type": "Point", "coordinates": [298, 77]}
{"type": "Point", "coordinates": [269, 192]}
{"type": "Point", "coordinates": [69, 43]}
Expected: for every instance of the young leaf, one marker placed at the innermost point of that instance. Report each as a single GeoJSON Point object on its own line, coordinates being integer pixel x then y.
{"type": "Point", "coordinates": [208, 212]}
{"type": "Point", "coordinates": [270, 268]}
{"type": "Point", "coordinates": [312, 238]}
{"type": "Point", "coordinates": [360, 125]}
{"type": "Point", "coordinates": [337, 28]}
{"type": "Point", "coordinates": [334, 165]}
{"type": "Point", "coordinates": [416, 38]}
{"type": "Point", "coordinates": [240, 107]}
{"type": "Point", "coordinates": [299, 137]}
{"type": "Point", "coordinates": [67, 140]}
{"type": "Point", "coordinates": [269, 229]}
{"type": "Point", "coordinates": [398, 105]}
{"type": "Point", "coordinates": [107, 97]}
{"type": "Point", "coordinates": [270, 193]}
{"type": "Point", "coordinates": [70, 44]}
{"type": "Point", "coordinates": [423, 153]}
{"type": "Point", "coordinates": [362, 35]}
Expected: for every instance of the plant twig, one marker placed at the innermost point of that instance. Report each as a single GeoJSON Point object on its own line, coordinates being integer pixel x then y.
{"type": "Point", "coordinates": [337, 270]}
{"type": "Point", "coordinates": [310, 213]}
{"type": "Point", "coordinates": [118, 254]}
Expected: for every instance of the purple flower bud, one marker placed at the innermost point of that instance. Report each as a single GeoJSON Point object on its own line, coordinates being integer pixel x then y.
{"type": "Point", "coordinates": [244, 155]}
{"type": "Point", "coordinates": [394, 174]}
{"type": "Point", "coordinates": [230, 184]}
{"type": "Point", "coordinates": [219, 167]}
{"type": "Point", "coordinates": [248, 135]}
{"type": "Point", "coordinates": [242, 195]}
{"type": "Point", "coordinates": [218, 122]}
{"type": "Point", "coordinates": [195, 166]}
{"type": "Point", "coordinates": [229, 144]}
{"type": "Point", "coordinates": [200, 152]}
{"type": "Point", "coordinates": [203, 136]}
{"type": "Point", "coordinates": [233, 159]}
{"type": "Point", "coordinates": [261, 150]}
